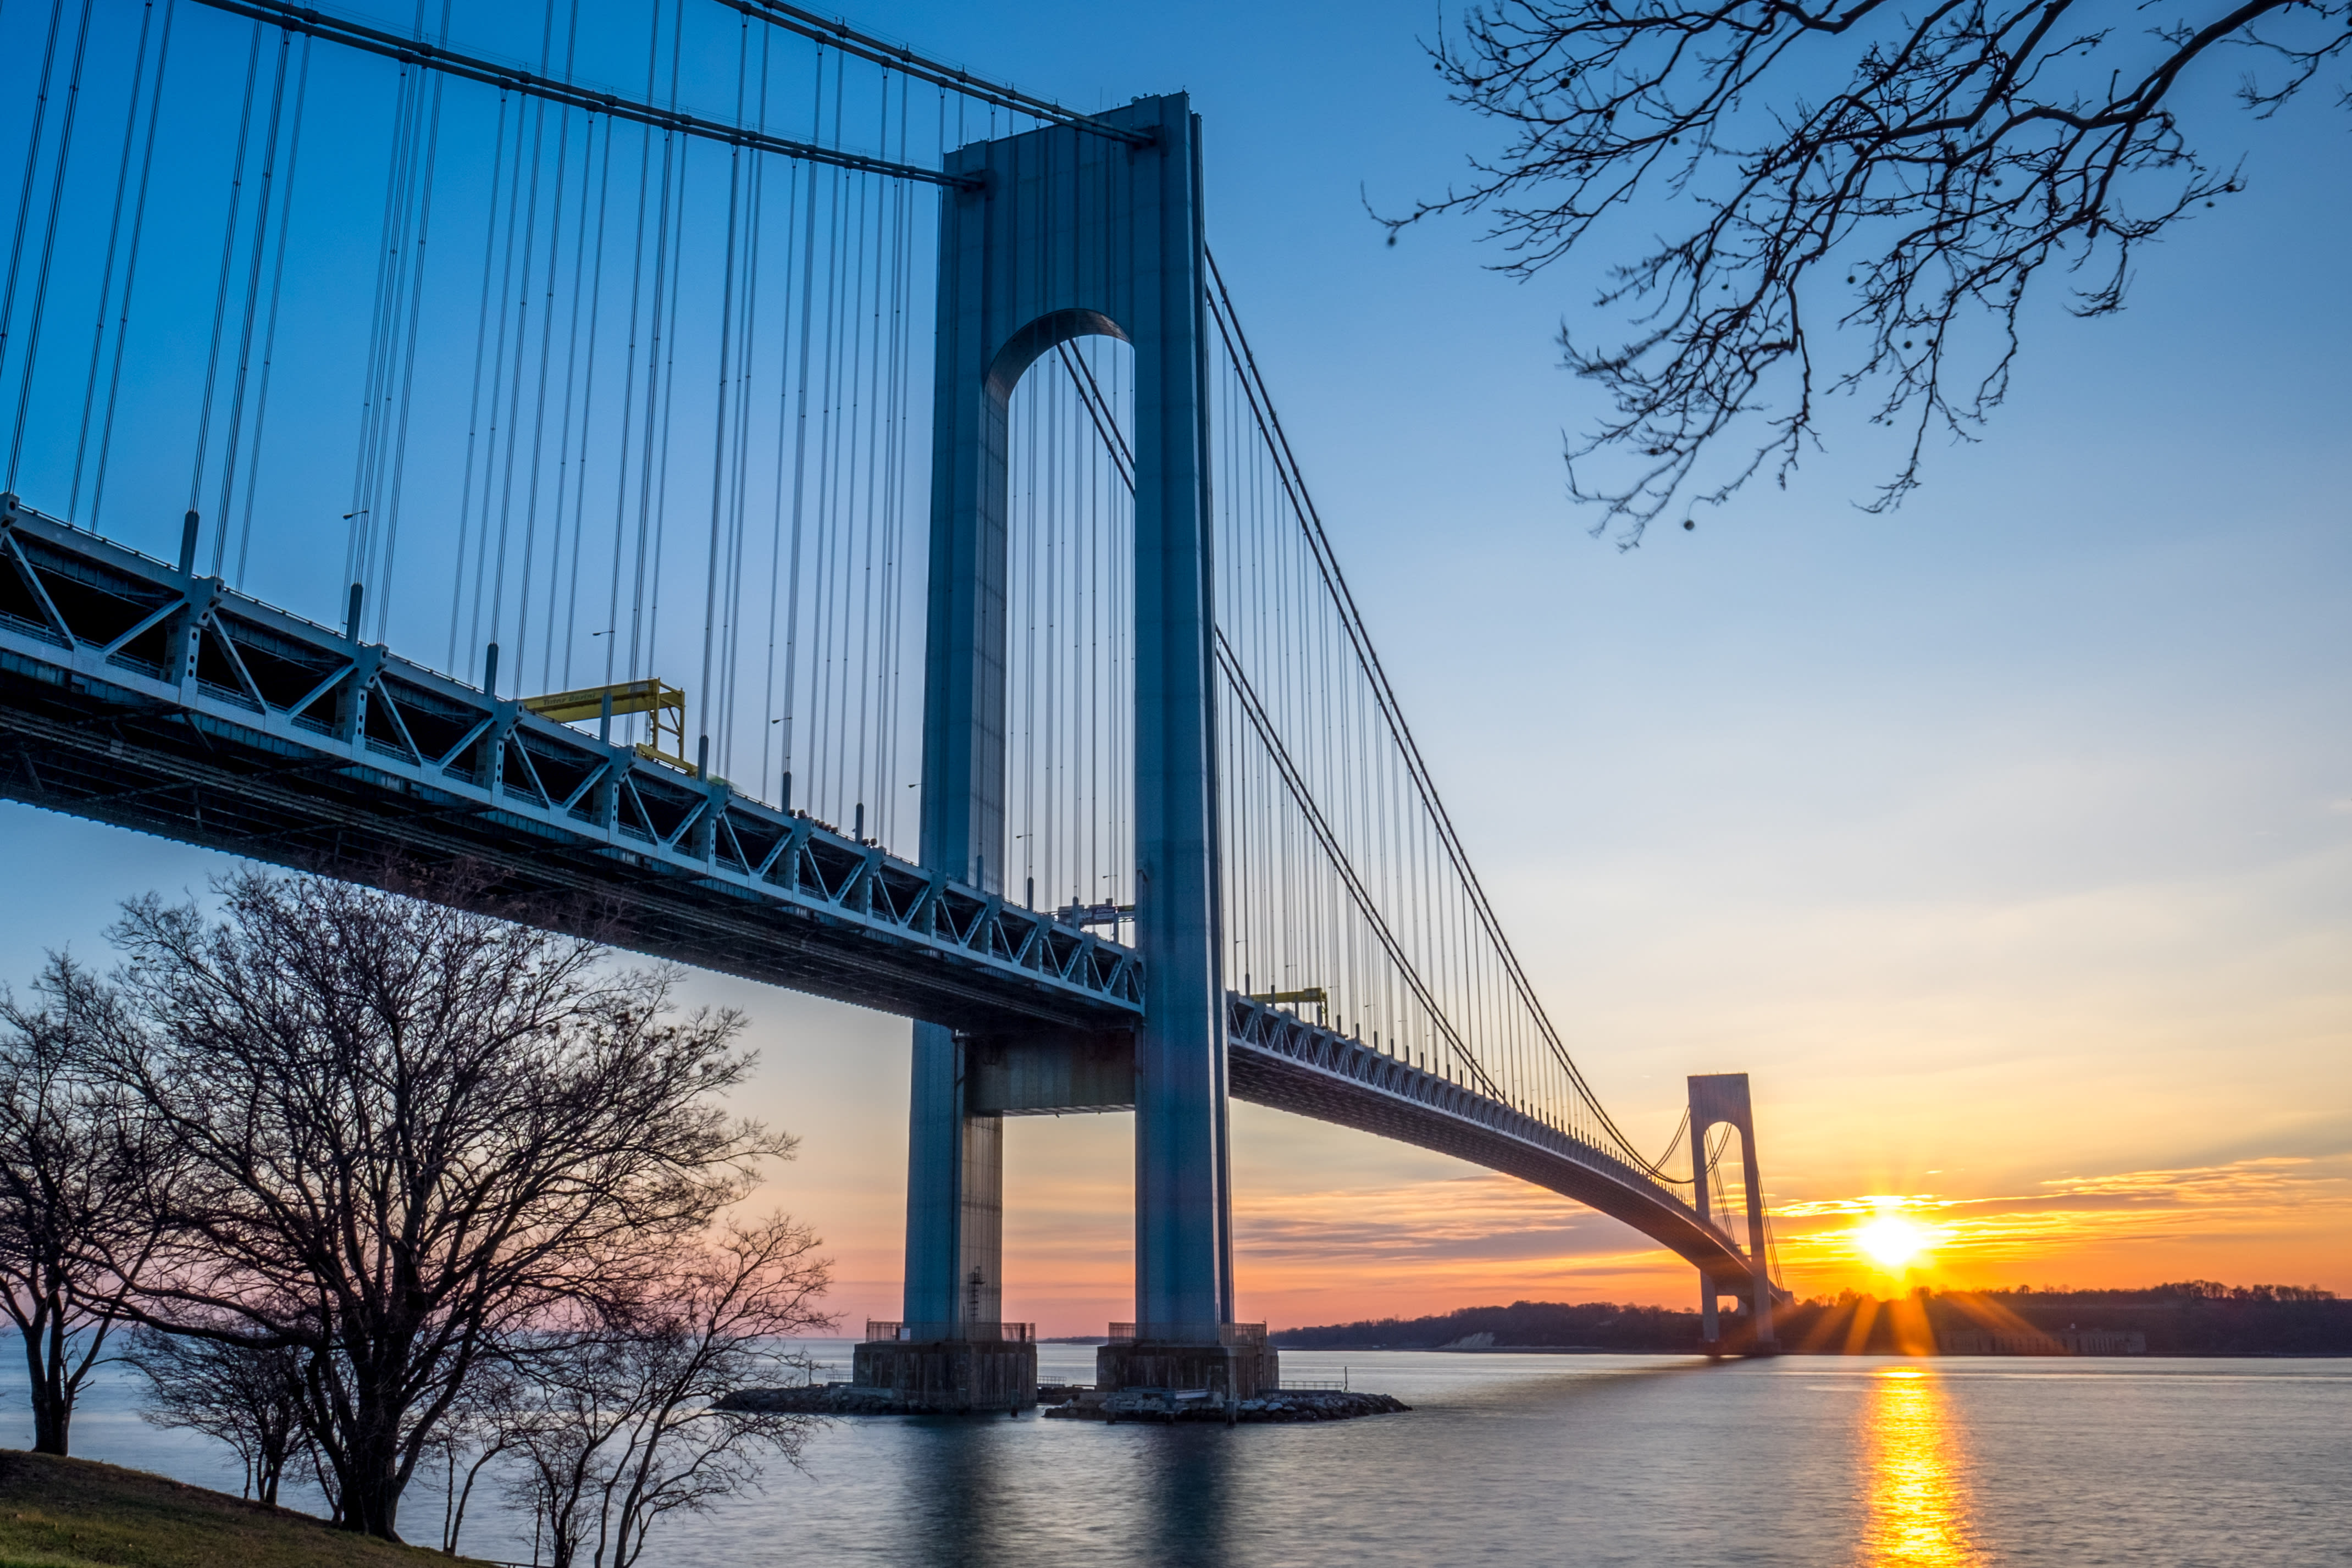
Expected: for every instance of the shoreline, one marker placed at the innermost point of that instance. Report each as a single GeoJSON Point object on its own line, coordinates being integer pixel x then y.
{"type": "Point", "coordinates": [1826, 1355]}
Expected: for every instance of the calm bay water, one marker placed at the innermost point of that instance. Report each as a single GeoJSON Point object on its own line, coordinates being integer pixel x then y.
{"type": "Point", "coordinates": [1569, 1459]}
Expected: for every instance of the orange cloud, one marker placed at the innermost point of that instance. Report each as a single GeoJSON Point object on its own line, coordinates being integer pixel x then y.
{"type": "Point", "coordinates": [2085, 1223]}
{"type": "Point", "coordinates": [1432, 1246]}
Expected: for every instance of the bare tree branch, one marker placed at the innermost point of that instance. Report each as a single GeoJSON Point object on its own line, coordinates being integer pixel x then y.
{"type": "Point", "coordinates": [249, 1399]}
{"type": "Point", "coordinates": [1902, 176]}
{"type": "Point", "coordinates": [618, 1427]}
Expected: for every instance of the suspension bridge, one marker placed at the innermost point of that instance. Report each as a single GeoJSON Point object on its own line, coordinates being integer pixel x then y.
{"type": "Point", "coordinates": [776, 502]}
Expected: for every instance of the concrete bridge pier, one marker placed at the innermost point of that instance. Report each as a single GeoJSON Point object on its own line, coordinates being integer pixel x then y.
{"type": "Point", "coordinates": [952, 1353]}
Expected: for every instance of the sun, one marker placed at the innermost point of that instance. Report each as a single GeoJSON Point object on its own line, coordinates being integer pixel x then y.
{"type": "Point", "coordinates": [1891, 1240]}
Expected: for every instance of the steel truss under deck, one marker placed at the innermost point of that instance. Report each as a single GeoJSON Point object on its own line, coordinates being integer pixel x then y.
{"type": "Point", "coordinates": [142, 695]}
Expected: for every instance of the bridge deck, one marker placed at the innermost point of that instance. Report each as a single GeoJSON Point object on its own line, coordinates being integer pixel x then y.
{"type": "Point", "coordinates": [1276, 1059]}
{"type": "Point", "coordinates": [139, 695]}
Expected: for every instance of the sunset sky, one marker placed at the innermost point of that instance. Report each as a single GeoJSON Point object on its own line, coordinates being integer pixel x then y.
{"type": "Point", "coordinates": [2006, 841]}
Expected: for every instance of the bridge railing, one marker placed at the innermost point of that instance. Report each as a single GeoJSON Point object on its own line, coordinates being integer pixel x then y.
{"type": "Point", "coordinates": [1188, 1334]}
{"type": "Point", "coordinates": [983, 1332]}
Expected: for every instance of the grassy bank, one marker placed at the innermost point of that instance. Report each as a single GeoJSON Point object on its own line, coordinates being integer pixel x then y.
{"type": "Point", "coordinates": [75, 1513]}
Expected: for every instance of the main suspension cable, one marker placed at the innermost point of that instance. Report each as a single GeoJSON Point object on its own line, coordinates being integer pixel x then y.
{"type": "Point", "coordinates": [513, 79]}
{"type": "Point", "coordinates": [1269, 426]}
{"type": "Point", "coordinates": [840, 35]}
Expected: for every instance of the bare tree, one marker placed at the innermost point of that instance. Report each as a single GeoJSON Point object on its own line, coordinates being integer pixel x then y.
{"type": "Point", "coordinates": [1903, 174]}
{"type": "Point", "coordinates": [618, 1429]}
{"type": "Point", "coordinates": [475, 1431]}
{"type": "Point", "coordinates": [574, 1404]}
{"type": "Point", "coordinates": [406, 1130]}
{"type": "Point", "coordinates": [75, 1228]}
{"type": "Point", "coordinates": [250, 1399]}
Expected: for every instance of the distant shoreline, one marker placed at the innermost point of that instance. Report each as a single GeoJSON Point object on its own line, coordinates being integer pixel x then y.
{"type": "Point", "coordinates": [2190, 1319]}
{"type": "Point", "coordinates": [1938, 1355]}
{"type": "Point", "coordinates": [1786, 1350]}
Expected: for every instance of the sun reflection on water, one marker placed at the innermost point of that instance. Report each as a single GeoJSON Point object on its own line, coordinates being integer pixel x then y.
{"type": "Point", "coordinates": [1918, 1498]}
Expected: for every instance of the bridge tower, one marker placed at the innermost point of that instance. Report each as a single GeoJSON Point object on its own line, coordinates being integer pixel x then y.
{"type": "Point", "coordinates": [1716, 1098]}
{"type": "Point", "coordinates": [1056, 233]}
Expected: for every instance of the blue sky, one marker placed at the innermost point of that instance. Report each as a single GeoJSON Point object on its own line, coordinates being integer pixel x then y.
{"type": "Point", "coordinates": [2007, 838]}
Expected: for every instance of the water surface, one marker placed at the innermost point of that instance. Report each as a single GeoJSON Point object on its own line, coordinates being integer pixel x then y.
{"type": "Point", "coordinates": [1525, 1459]}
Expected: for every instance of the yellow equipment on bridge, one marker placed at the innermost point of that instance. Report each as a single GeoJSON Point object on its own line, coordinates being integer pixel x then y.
{"type": "Point", "coordinates": [664, 704]}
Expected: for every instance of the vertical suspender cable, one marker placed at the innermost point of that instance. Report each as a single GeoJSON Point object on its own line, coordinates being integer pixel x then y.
{"type": "Point", "coordinates": [650, 410]}
{"type": "Point", "coordinates": [827, 429]}
{"type": "Point", "coordinates": [114, 232]}
{"type": "Point", "coordinates": [901, 379]}
{"type": "Point", "coordinates": [252, 299]}
{"type": "Point", "coordinates": [877, 429]}
{"type": "Point", "coordinates": [418, 254]}
{"type": "Point", "coordinates": [473, 403]}
{"type": "Point", "coordinates": [800, 456]}
{"type": "Point", "coordinates": [704, 695]}
{"type": "Point", "coordinates": [546, 348]}
{"type": "Point", "coordinates": [358, 546]}
{"type": "Point", "coordinates": [842, 461]}
{"type": "Point", "coordinates": [131, 262]}
{"type": "Point", "coordinates": [277, 287]}
{"type": "Point", "coordinates": [32, 170]}
{"type": "Point", "coordinates": [652, 474]}
{"type": "Point", "coordinates": [563, 474]}
{"type": "Point", "coordinates": [629, 371]}
{"type": "Point", "coordinates": [220, 295]}
{"type": "Point", "coordinates": [527, 197]}
{"type": "Point", "coordinates": [49, 249]}
{"type": "Point", "coordinates": [498, 379]}
{"type": "Point", "coordinates": [587, 394]}
{"type": "Point", "coordinates": [739, 461]}
{"type": "Point", "coordinates": [668, 276]}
